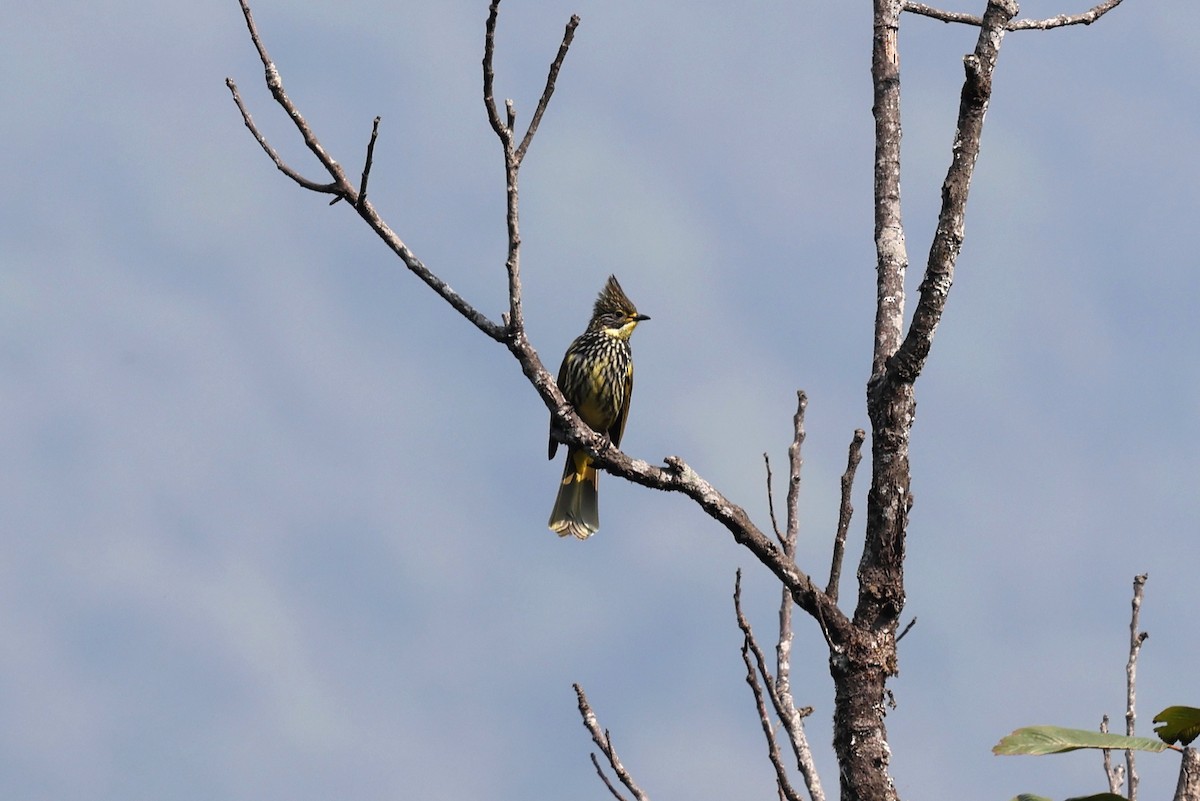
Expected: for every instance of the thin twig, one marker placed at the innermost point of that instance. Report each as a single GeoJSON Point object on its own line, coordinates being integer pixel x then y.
{"type": "Point", "coordinates": [906, 630]}
{"type": "Point", "coordinates": [489, 75]}
{"type": "Point", "coordinates": [280, 164]}
{"type": "Point", "coordinates": [754, 667]}
{"type": "Point", "coordinates": [275, 84]}
{"type": "Point", "coordinates": [1136, 638]}
{"type": "Point", "coordinates": [555, 66]}
{"type": "Point", "coordinates": [366, 173]}
{"type": "Point", "coordinates": [845, 511]}
{"type": "Point", "coordinates": [795, 462]}
{"type": "Point", "coordinates": [604, 778]}
{"type": "Point", "coordinates": [603, 741]}
{"type": "Point", "coordinates": [1059, 21]}
{"type": "Point", "coordinates": [771, 499]}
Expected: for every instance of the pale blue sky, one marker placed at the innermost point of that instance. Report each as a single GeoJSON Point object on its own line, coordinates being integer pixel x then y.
{"type": "Point", "coordinates": [275, 516]}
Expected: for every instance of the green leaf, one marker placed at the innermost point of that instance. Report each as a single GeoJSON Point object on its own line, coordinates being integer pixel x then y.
{"type": "Point", "coordinates": [1180, 724]}
{"type": "Point", "coordinates": [1037, 740]}
{"type": "Point", "coordinates": [1029, 797]}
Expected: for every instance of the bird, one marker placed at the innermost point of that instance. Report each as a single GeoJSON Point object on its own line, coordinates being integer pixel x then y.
{"type": "Point", "coordinates": [596, 378]}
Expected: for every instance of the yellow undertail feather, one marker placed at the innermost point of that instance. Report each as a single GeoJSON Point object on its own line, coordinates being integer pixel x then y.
{"type": "Point", "coordinates": [576, 509]}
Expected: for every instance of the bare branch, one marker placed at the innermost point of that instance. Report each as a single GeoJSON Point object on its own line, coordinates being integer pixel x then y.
{"type": "Point", "coordinates": [787, 538]}
{"type": "Point", "coordinates": [753, 669]}
{"type": "Point", "coordinates": [1115, 775]}
{"type": "Point", "coordinates": [907, 362]}
{"type": "Point", "coordinates": [944, 16]}
{"type": "Point", "coordinates": [390, 238]}
{"type": "Point", "coordinates": [801, 750]}
{"type": "Point", "coordinates": [275, 84]}
{"type": "Point", "coordinates": [366, 173]}
{"type": "Point", "coordinates": [781, 694]}
{"type": "Point", "coordinates": [679, 477]}
{"type": "Point", "coordinates": [779, 691]}
{"type": "Point", "coordinates": [1136, 638]}
{"type": "Point", "coordinates": [1086, 18]}
{"type": "Point", "coordinates": [906, 629]}
{"type": "Point", "coordinates": [868, 659]}
{"type": "Point", "coordinates": [784, 648]}
{"type": "Point", "coordinates": [604, 742]}
{"type": "Point", "coordinates": [771, 500]}
{"type": "Point", "coordinates": [890, 249]}
{"type": "Point", "coordinates": [794, 465]}
{"type": "Point", "coordinates": [845, 511]}
{"type": "Point", "coordinates": [513, 154]}
{"type": "Point", "coordinates": [514, 322]}
{"type": "Point", "coordinates": [1059, 21]}
{"type": "Point", "coordinates": [505, 130]}
{"type": "Point", "coordinates": [329, 189]}
{"type": "Point", "coordinates": [604, 778]}
{"type": "Point", "coordinates": [555, 66]}
{"type": "Point", "coordinates": [489, 77]}
{"type": "Point", "coordinates": [342, 188]}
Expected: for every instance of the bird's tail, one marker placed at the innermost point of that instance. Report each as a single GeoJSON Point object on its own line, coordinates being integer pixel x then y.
{"type": "Point", "coordinates": [576, 509]}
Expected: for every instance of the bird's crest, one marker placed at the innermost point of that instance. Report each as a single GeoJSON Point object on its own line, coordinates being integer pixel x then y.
{"type": "Point", "coordinates": [614, 313]}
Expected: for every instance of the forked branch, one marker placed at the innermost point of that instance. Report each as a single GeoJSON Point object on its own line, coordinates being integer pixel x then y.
{"type": "Point", "coordinates": [280, 164]}
{"type": "Point", "coordinates": [756, 665]}
{"type": "Point", "coordinates": [505, 129]}
{"type": "Point", "coordinates": [778, 690]}
{"type": "Point", "coordinates": [1114, 774]}
{"type": "Point", "coordinates": [603, 741]}
{"type": "Point", "coordinates": [514, 154]}
{"type": "Point", "coordinates": [861, 670]}
{"type": "Point", "coordinates": [341, 187]}
{"type": "Point", "coordinates": [907, 362]}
